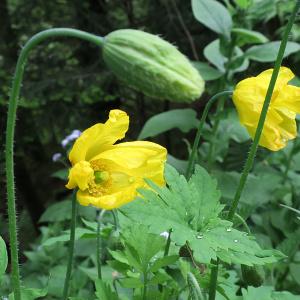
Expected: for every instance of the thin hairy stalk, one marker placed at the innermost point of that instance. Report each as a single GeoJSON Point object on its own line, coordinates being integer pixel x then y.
{"type": "Point", "coordinates": [254, 146]}
{"type": "Point", "coordinates": [10, 132]}
{"type": "Point", "coordinates": [99, 241]}
{"type": "Point", "coordinates": [208, 105]}
{"type": "Point", "coordinates": [213, 280]}
{"type": "Point", "coordinates": [186, 30]}
{"type": "Point", "coordinates": [289, 161]}
{"type": "Point", "coordinates": [168, 243]}
{"type": "Point", "coordinates": [71, 247]}
{"type": "Point", "coordinates": [145, 286]}
{"type": "Point", "coordinates": [263, 115]}
{"type": "Point", "coordinates": [220, 108]}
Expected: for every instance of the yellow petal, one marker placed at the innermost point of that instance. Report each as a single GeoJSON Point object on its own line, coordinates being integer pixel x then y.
{"type": "Point", "coordinates": [109, 201]}
{"type": "Point", "coordinates": [285, 75]}
{"type": "Point", "coordinates": [100, 137]}
{"type": "Point", "coordinates": [138, 159]}
{"type": "Point", "coordinates": [289, 98]}
{"type": "Point", "coordinates": [80, 175]}
{"type": "Point", "coordinates": [280, 125]}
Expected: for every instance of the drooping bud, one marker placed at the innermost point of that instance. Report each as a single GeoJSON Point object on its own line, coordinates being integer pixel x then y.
{"type": "Point", "coordinates": [151, 65]}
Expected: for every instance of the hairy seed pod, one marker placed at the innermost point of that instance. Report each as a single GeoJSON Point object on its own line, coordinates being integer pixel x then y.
{"type": "Point", "coordinates": [151, 65]}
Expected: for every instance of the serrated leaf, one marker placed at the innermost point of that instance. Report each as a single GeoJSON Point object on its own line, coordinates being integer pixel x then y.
{"type": "Point", "coordinates": [214, 15]}
{"type": "Point", "coordinates": [141, 246]}
{"type": "Point", "coordinates": [104, 291]}
{"type": "Point", "coordinates": [130, 283]}
{"type": "Point", "coordinates": [183, 119]}
{"type": "Point", "coordinates": [191, 209]}
{"type": "Point", "coordinates": [163, 262]}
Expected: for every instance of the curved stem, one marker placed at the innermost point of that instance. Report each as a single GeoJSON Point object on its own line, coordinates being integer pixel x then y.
{"type": "Point", "coordinates": [10, 131]}
{"type": "Point", "coordinates": [99, 250]}
{"type": "Point", "coordinates": [71, 247]}
{"type": "Point", "coordinates": [263, 115]}
{"type": "Point", "coordinates": [208, 105]}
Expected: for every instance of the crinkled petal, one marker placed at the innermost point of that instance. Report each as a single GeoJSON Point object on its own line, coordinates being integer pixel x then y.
{"type": "Point", "coordinates": [284, 76]}
{"type": "Point", "coordinates": [110, 201]}
{"type": "Point", "coordinates": [280, 125]}
{"type": "Point", "coordinates": [279, 128]}
{"type": "Point", "coordinates": [289, 98]}
{"type": "Point", "coordinates": [100, 137]}
{"type": "Point", "coordinates": [138, 159]}
{"type": "Point", "coordinates": [80, 175]}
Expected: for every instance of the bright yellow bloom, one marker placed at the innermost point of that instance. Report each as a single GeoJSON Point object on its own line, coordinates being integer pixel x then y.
{"type": "Point", "coordinates": [108, 175]}
{"type": "Point", "coordinates": [280, 125]}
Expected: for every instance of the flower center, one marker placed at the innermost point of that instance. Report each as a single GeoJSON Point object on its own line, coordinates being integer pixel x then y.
{"type": "Point", "coordinates": [102, 179]}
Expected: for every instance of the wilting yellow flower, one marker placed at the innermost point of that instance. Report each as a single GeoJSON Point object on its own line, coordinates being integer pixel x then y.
{"type": "Point", "coordinates": [280, 125]}
{"type": "Point", "coordinates": [108, 175]}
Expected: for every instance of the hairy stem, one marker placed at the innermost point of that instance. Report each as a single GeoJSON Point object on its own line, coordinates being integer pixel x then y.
{"type": "Point", "coordinates": [254, 146]}
{"type": "Point", "coordinates": [263, 115]}
{"type": "Point", "coordinates": [99, 241]}
{"type": "Point", "coordinates": [213, 280]}
{"type": "Point", "coordinates": [208, 105]}
{"type": "Point", "coordinates": [10, 132]}
{"type": "Point", "coordinates": [71, 247]}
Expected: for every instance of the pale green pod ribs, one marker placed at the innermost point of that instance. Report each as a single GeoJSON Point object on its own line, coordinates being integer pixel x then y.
{"type": "Point", "coordinates": [151, 65]}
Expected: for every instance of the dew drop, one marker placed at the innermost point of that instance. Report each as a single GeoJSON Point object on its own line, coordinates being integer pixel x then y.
{"type": "Point", "coordinates": [199, 236]}
{"type": "Point", "coordinates": [228, 229]}
{"type": "Point", "coordinates": [235, 241]}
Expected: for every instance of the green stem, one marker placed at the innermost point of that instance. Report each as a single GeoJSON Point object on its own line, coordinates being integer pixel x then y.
{"type": "Point", "coordinates": [254, 146]}
{"type": "Point", "coordinates": [208, 105]}
{"type": "Point", "coordinates": [71, 247]}
{"type": "Point", "coordinates": [213, 280]}
{"type": "Point", "coordinates": [99, 247]}
{"type": "Point", "coordinates": [145, 286]}
{"type": "Point", "coordinates": [289, 161]}
{"type": "Point", "coordinates": [10, 132]}
{"type": "Point", "coordinates": [211, 149]}
{"type": "Point", "coordinates": [168, 243]}
{"type": "Point", "coordinates": [263, 115]}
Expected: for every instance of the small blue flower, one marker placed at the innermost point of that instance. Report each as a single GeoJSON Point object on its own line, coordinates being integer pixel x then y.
{"type": "Point", "coordinates": [56, 157]}
{"type": "Point", "coordinates": [71, 137]}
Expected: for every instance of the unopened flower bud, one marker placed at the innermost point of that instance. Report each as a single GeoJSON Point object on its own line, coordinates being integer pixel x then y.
{"type": "Point", "coordinates": [151, 65]}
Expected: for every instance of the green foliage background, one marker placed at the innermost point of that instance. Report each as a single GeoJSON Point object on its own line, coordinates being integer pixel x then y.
{"type": "Point", "coordinates": [67, 86]}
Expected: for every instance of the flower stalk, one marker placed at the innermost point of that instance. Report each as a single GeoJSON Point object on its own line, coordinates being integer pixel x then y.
{"type": "Point", "coordinates": [10, 132]}
{"type": "Point", "coordinates": [71, 247]}
{"type": "Point", "coordinates": [254, 146]}
{"type": "Point", "coordinates": [208, 105]}
{"type": "Point", "coordinates": [100, 216]}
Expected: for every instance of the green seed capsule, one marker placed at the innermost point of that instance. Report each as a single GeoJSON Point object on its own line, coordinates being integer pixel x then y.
{"type": "Point", "coordinates": [151, 65]}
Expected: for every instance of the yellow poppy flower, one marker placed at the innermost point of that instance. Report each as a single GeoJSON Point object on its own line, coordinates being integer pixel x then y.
{"type": "Point", "coordinates": [280, 125]}
{"type": "Point", "coordinates": [108, 175]}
